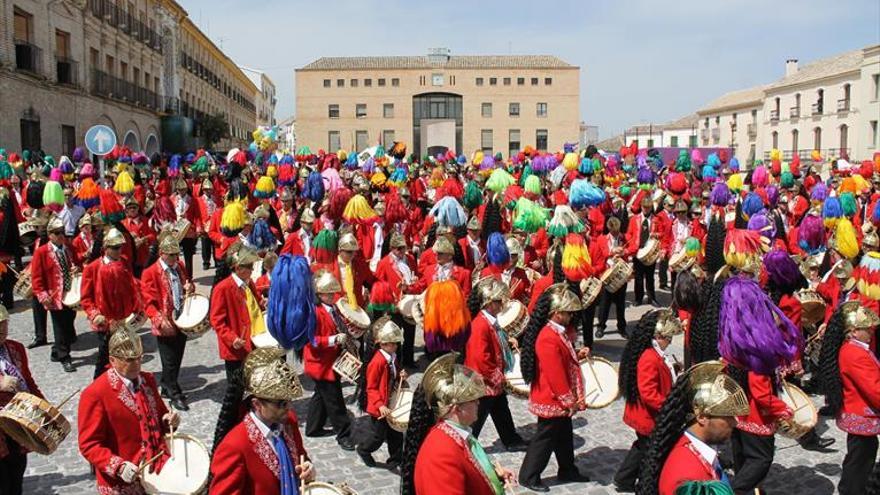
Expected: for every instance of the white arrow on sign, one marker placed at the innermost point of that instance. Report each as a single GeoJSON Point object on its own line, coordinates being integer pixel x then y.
{"type": "Point", "coordinates": [102, 138]}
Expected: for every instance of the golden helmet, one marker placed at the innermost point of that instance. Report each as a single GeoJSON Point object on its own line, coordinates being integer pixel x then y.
{"type": "Point", "coordinates": [114, 238]}
{"type": "Point", "coordinates": [447, 384]}
{"type": "Point", "coordinates": [492, 289]}
{"type": "Point", "coordinates": [714, 393]}
{"type": "Point", "coordinates": [668, 324]}
{"type": "Point", "coordinates": [125, 343]}
{"type": "Point", "coordinates": [443, 246]}
{"type": "Point", "coordinates": [326, 283]}
{"type": "Point", "coordinates": [267, 376]}
{"type": "Point", "coordinates": [348, 242]}
{"type": "Point", "coordinates": [857, 317]}
{"type": "Point", "coordinates": [397, 240]}
{"type": "Point", "coordinates": [563, 300]}
{"type": "Point", "coordinates": [387, 332]}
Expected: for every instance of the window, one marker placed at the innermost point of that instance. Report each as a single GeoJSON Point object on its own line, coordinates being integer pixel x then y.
{"type": "Point", "coordinates": [94, 58]}
{"type": "Point", "coordinates": [381, 82]}
{"type": "Point", "coordinates": [548, 81]}
{"type": "Point", "coordinates": [436, 79]}
{"type": "Point", "coordinates": [333, 111]}
{"type": "Point", "coordinates": [62, 44]}
{"type": "Point", "coordinates": [794, 141]}
{"type": "Point", "coordinates": [534, 81]}
{"type": "Point", "coordinates": [486, 140]}
{"type": "Point", "coordinates": [876, 87]}
{"type": "Point", "coordinates": [340, 83]}
{"type": "Point", "coordinates": [68, 139]}
{"type": "Point", "coordinates": [388, 110]}
{"type": "Point", "coordinates": [109, 64]}
{"type": "Point", "coordinates": [30, 134]}
{"type": "Point", "coordinates": [692, 141]}
{"type": "Point", "coordinates": [820, 102]}
{"type": "Point", "coordinates": [673, 141]}
{"type": "Point", "coordinates": [507, 81]}
{"type": "Point", "coordinates": [326, 83]}
{"type": "Point", "coordinates": [650, 143]}
{"type": "Point", "coordinates": [479, 81]}
{"type": "Point", "coordinates": [486, 110]}
{"type": "Point", "coordinates": [123, 71]}
{"type": "Point", "coordinates": [395, 82]}
{"type": "Point", "coordinates": [353, 83]}
{"type": "Point", "coordinates": [360, 111]}
{"type": "Point", "coordinates": [23, 26]}
{"type": "Point", "coordinates": [817, 138]}
{"type": "Point", "coordinates": [493, 81]}
{"type": "Point", "coordinates": [333, 143]}
{"type": "Point", "coordinates": [368, 83]}
{"type": "Point", "coordinates": [361, 140]}
{"type": "Point", "coordinates": [542, 109]}
{"type": "Point", "coordinates": [775, 140]}
{"type": "Point", "coordinates": [520, 81]}
{"type": "Point", "coordinates": [541, 139]}
{"type": "Point", "coordinates": [874, 132]}
{"type": "Point", "coordinates": [514, 142]}
{"type": "Point", "coordinates": [513, 110]}
{"type": "Point", "coordinates": [844, 137]}
{"type": "Point", "coordinates": [387, 138]}
{"type": "Point", "coordinates": [717, 120]}
{"type": "Point", "coordinates": [754, 116]}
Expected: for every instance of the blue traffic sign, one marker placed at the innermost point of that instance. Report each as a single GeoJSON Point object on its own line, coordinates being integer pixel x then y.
{"type": "Point", "coordinates": [100, 139]}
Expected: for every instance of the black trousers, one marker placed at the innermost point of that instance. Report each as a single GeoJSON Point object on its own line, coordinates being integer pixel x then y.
{"type": "Point", "coordinates": [188, 246]}
{"type": "Point", "coordinates": [377, 432]}
{"type": "Point", "coordinates": [628, 472]}
{"type": "Point", "coordinates": [663, 271]}
{"type": "Point", "coordinates": [12, 468]}
{"type": "Point", "coordinates": [589, 316]}
{"type": "Point", "coordinates": [103, 353]}
{"type": "Point", "coordinates": [7, 283]}
{"type": "Point", "coordinates": [644, 275]}
{"type": "Point", "coordinates": [861, 454]}
{"type": "Point", "coordinates": [618, 299]}
{"type": "Point", "coordinates": [498, 407]}
{"type": "Point", "coordinates": [327, 403]}
{"type": "Point", "coordinates": [41, 319]}
{"type": "Point", "coordinates": [752, 458]}
{"type": "Point", "coordinates": [63, 333]}
{"type": "Point", "coordinates": [553, 436]}
{"type": "Point", "coordinates": [407, 350]}
{"type": "Point", "coordinates": [171, 353]}
{"type": "Point", "coordinates": [207, 248]}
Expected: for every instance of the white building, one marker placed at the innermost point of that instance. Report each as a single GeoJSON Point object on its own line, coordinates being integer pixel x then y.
{"type": "Point", "coordinates": [681, 133]}
{"type": "Point", "coordinates": [287, 133]}
{"type": "Point", "coordinates": [265, 96]}
{"type": "Point", "coordinates": [732, 121]}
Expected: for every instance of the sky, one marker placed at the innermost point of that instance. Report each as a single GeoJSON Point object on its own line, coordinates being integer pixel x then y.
{"type": "Point", "coordinates": [641, 61]}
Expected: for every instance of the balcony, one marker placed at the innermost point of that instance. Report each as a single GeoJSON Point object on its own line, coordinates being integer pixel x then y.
{"type": "Point", "coordinates": [794, 113]}
{"type": "Point", "coordinates": [716, 134]}
{"type": "Point", "coordinates": [807, 154]}
{"type": "Point", "coordinates": [774, 116]}
{"type": "Point", "coordinates": [752, 130]}
{"type": "Point", "coordinates": [27, 57]}
{"type": "Point", "coordinates": [816, 109]}
{"type": "Point", "coordinates": [107, 11]}
{"type": "Point", "coordinates": [108, 86]}
{"type": "Point", "coordinates": [843, 105]}
{"type": "Point", "coordinates": [66, 71]}
{"type": "Point", "coordinates": [704, 134]}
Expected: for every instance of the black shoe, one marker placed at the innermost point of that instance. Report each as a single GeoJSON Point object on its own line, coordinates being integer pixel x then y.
{"type": "Point", "coordinates": [368, 459]}
{"type": "Point", "coordinates": [520, 446]}
{"type": "Point", "coordinates": [600, 332]}
{"type": "Point", "coordinates": [818, 444]}
{"type": "Point", "coordinates": [206, 266]}
{"type": "Point", "coordinates": [536, 487]}
{"type": "Point", "coordinates": [624, 488]}
{"type": "Point", "coordinates": [321, 433]}
{"type": "Point", "coordinates": [37, 343]}
{"type": "Point", "coordinates": [68, 367]}
{"type": "Point", "coordinates": [574, 477]}
{"type": "Point", "coordinates": [164, 393]}
{"type": "Point", "coordinates": [825, 411]}
{"type": "Point", "coordinates": [179, 404]}
{"type": "Point", "coordinates": [640, 302]}
{"type": "Point", "coordinates": [394, 469]}
{"type": "Point", "coordinates": [346, 445]}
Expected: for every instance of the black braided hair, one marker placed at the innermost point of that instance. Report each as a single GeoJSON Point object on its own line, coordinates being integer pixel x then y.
{"type": "Point", "coordinates": [672, 419]}
{"type": "Point", "coordinates": [458, 254]}
{"type": "Point", "coordinates": [491, 219]}
{"type": "Point", "coordinates": [538, 319]}
{"type": "Point", "coordinates": [421, 419]}
{"type": "Point", "coordinates": [475, 302]}
{"type": "Point", "coordinates": [741, 377]}
{"type": "Point", "coordinates": [97, 244]}
{"type": "Point", "coordinates": [715, 245]}
{"type": "Point", "coordinates": [686, 293]}
{"type": "Point", "coordinates": [740, 222]}
{"type": "Point", "coordinates": [704, 333]}
{"type": "Point", "coordinates": [431, 236]}
{"type": "Point", "coordinates": [231, 408]}
{"type": "Point", "coordinates": [829, 365]}
{"type": "Point", "coordinates": [637, 344]}
{"type": "Point", "coordinates": [776, 291]}
{"type": "Point", "coordinates": [371, 348]}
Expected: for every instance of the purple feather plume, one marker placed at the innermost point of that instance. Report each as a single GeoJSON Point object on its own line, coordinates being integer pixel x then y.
{"type": "Point", "coordinates": [819, 193]}
{"type": "Point", "coordinates": [811, 234]}
{"type": "Point", "coordinates": [762, 224]}
{"type": "Point", "coordinates": [720, 194]}
{"type": "Point", "coordinates": [782, 270]}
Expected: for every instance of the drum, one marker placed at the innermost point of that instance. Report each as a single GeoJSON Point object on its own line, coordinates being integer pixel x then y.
{"type": "Point", "coordinates": [181, 229]}
{"type": "Point", "coordinates": [193, 319]}
{"type": "Point", "coordinates": [406, 306]}
{"type": "Point", "coordinates": [71, 298]}
{"type": "Point", "coordinates": [513, 380]}
{"type": "Point", "coordinates": [813, 306]}
{"type": "Point", "coordinates": [678, 261]}
{"type": "Point", "coordinates": [513, 318]}
{"type": "Point", "coordinates": [348, 366]}
{"type": "Point", "coordinates": [805, 416]}
{"type": "Point", "coordinates": [590, 290]}
{"type": "Point", "coordinates": [532, 274]}
{"type": "Point", "coordinates": [617, 275]}
{"type": "Point", "coordinates": [34, 423]}
{"type": "Point", "coordinates": [321, 488]}
{"type": "Point", "coordinates": [22, 286]}
{"type": "Point", "coordinates": [649, 254]}
{"type": "Point", "coordinates": [600, 382]}
{"type": "Point", "coordinates": [27, 234]}
{"type": "Point", "coordinates": [184, 473]}
{"type": "Point", "coordinates": [400, 404]}
{"type": "Point", "coordinates": [356, 320]}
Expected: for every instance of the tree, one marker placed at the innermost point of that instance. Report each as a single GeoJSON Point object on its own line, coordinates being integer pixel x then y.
{"type": "Point", "coordinates": [214, 128]}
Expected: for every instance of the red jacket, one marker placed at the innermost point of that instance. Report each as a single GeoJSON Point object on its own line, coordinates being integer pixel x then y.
{"type": "Point", "coordinates": [426, 259]}
{"type": "Point", "coordinates": [18, 355]}
{"type": "Point", "coordinates": [664, 228]}
{"type": "Point", "coordinates": [230, 319]}
{"type": "Point", "coordinates": [158, 303]}
{"type": "Point", "coordinates": [540, 286]}
{"type": "Point", "coordinates": [860, 374]}
{"type": "Point", "coordinates": [483, 354]}
{"type": "Point", "coordinates": [558, 384]}
{"type": "Point", "coordinates": [469, 261]}
{"type": "Point", "coordinates": [102, 284]}
{"type": "Point", "coordinates": [363, 277]}
{"type": "Point", "coordinates": [215, 234]}
{"type": "Point", "coordinates": [319, 355]}
{"type": "Point", "coordinates": [245, 462]}
{"type": "Point", "coordinates": [293, 244]}
{"type": "Point", "coordinates": [262, 284]}
{"type": "Point", "coordinates": [830, 290]}
{"type": "Point", "coordinates": [765, 407]}
{"type": "Point", "coordinates": [445, 465]}
{"type": "Point", "coordinates": [459, 274]}
{"type": "Point", "coordinates": [519, 281]}
{"type": "Point", "coordinates": [684, 464]}
{"type": "Point", "coordinates": [634, 231]}
{"type": "Point", "coordinates": [791, 307]}
{"type": "Point", "coordinates": [140, 228]}
{"type": "Point", "coordinates": [654, 383]}
{"type": "Point", "coordinates": [380, 381]}
{"type": "Point", "coordinates": [192, 214]}
{"type": "Point", "coordinates": [386, 271]}
{"type": "Point", "coordinates": [110, 429]}
{"type": "Point", "coordinates": [47, 279]}
{"type": "Point", "coordinates": [82, 245]}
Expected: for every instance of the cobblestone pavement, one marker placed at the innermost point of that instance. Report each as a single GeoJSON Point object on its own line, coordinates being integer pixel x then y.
{"type": "Point", "coordinates": [601, 438]}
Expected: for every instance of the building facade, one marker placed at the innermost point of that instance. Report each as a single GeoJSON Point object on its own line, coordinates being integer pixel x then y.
{"type": "Point", "coordinates": [265, 96]}
{"type": "Point", "coordinates": [732, 121]}
{"type": "Point", "coordinates": [438, 102]}
{"type": "Point", "coordinates": [68, 65]}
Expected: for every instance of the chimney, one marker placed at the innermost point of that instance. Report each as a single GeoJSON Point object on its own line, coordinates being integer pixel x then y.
{"type": "Point", "coordinates": [791, 67]}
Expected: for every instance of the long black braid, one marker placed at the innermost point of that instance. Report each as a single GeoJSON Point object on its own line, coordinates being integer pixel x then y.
{"type": "Point", "coordinates": [704, 331]}
{"type": "Point", "coordinates": [741, 377]}
{"type": "Point", "coordinates": [636, 345]}
{"type": "Point", "coordinates": [457, 254]}
{"type": "Point", "coordinates": [672, 419]}
{"type": "Point", "coordinates": [431, 235]}
{"type": "Point", "coordinates": [539, 318]}
{"type": "Point", "coordinates": [686, 293]}
{"type": "Point", "coordinates": [421, 419]}
{"type": "Point", "coordinates": [491, 219]}
{"type": "Point", "coordinates": [829, 365]}
{"type": "Point", "coordinates": [231, 410]}
{"type": "Point", "coordinates": [475, 302]}
{"type": "Point", "coordinates": [715, 245]}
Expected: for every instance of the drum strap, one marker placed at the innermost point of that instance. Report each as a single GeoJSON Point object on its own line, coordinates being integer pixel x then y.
{"type": "Point", "coordinates": [151, 431]}
{"type": "Point", "coordinates": [287, 474]}
{"type": "Point", "coordinates": [8, 367]}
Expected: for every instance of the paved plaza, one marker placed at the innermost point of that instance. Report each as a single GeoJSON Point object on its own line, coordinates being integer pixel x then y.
{"type": "Point", "coordinates": [601, 438]}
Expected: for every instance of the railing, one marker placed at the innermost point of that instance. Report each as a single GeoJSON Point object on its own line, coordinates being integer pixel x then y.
{"type": "Point", "coordinates": [171, 105]}
{"type": "Point", "coordinates": [794, 112]}
{"type": "Point", "coordinates": [774, 116]}
{"type": "Point", "coordinates": [27, 56]}
{"type": "Point", "coordinates": [752, 130]}
{"type": "Point", "coordinates": [843, 105]}
{"type": "Point", "coordinates": [816, 109]}
{"type": "Point", "coordinates": [807, 154]}
{"type": "Point", "coordinates": [108, 86]}
{"type": "Point", "coordinates": [108, 12]}
{"type": "Point", "coordinates": [66, 71]}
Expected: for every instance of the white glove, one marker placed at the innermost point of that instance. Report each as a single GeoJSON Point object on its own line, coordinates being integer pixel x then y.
{"type": "Point", "coordinates": [128, 472]}
{"type": "Point", "coordinates": [341, 339]}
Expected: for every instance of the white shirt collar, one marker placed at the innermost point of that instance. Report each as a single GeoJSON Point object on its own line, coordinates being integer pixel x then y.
{"type": "Point", "coordinates": [556, 326]}
{"type": "Point", "coordinates": [239, 282]}
{"type": "Point", "coordinates": [164, 265]}
{"type": "Point", "coordinates": [462, 432]}
{"type": "Point", "coordinates": [129, 384]}
{"type": "Point", "coordinates": [861, 344]}
{"type": "Point", "coordinates": [263, 427]}
{"type": "Point", "coordinates": [667, 358]}
{"type": "Point", "coordinates": [491, 319]}
{"type": "Point", "coordinates": [705, 451]}
{"type": "Point", "coordinates": [107, 260]}
{"type": "Point", "coordinates": [388, 357]}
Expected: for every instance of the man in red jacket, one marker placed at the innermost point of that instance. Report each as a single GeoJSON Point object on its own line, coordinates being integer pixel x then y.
{"type": "Point", "coordinates": [318, 358]}
{"type": "Point", "coordinates": [165, 285]}
{"type": "Point", "coordinates": [398, 270]}
{"type": "Point", "coordinates": [52, 270]}
{"type": "Point", "coordinates": [144, 236]}
{"type": "Point", "coordinates": [15, 376]}
{"type": "Point", "coordinates": [264, 453]}
{"type": "Point", "coordinates": [443, 269]}
{"type": "Point", "coordinates": [472, 246]}
{"type": "Point", "coordinates": [664, 219]}
{"type": "Point", "coordinates": [122, 419]}
{"type": "Point", "coordinates": [642, 228]}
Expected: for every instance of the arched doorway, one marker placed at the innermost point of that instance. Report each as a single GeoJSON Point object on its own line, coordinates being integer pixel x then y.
{"type": "Point", "coordinates": [437, 123]}
{"type": "Point", "coordinates": [152, 145]}
{"type": "Point", "coordinates": [131, 141]}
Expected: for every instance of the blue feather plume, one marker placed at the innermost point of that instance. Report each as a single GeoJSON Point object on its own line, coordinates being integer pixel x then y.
{"type": "Point", "coordinates": [752, 204]}
{"type": "Point", "coordinates": [291, 317]}
{"type": "Point", "coordinates": [585, 193]}
{"type": "Point", "coordinates": [876, 214]}
{"type": "Point", "coordinates": [832, 208]}
{"type": "Point", "coordinates": [449, 212]}
{"type": "Point", "coordinates": [496, 250]}
{"type": "Point", "coordinates": [261, 236]}
{"type": "Point", "coordinates": [314, 187]}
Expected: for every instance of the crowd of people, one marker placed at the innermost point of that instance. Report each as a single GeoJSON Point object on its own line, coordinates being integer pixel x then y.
{"type": "Point", "coordinates": [502, 267]}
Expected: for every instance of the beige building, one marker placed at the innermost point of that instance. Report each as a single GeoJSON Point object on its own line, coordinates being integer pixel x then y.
{"type": "Point", "coordinates": [732, 121]}
{"type": "Point", "coordinates": [264, 98]}
{"type": "Point", "coordinates": [68, 65]}
{"type": "Point", "coordinates": [438, 102]}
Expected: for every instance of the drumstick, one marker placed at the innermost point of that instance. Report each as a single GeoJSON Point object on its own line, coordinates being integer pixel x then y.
{"type": "Point", "coordinates": [498, 471]}
{"type": "Point", "coordinates": [59, 406]}
{"type": "Point", "coordinates": [171, 434]}
{"type": "Point", "coordinates": [144, 465]}
{"type": "Point", "coordinates": [595, 377]}
{"type": "Point", "coordinates": [186, 460]}
{"type": "Point", "coordinates": [302, 480]}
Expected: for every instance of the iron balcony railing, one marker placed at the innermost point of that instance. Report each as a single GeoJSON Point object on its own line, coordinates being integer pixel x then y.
{"type": "Point", "coordinates": [28, 56]}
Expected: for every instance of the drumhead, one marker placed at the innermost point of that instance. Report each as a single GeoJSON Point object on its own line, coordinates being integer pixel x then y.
{"type": "Point", "coordinates": [600, 382]}
{"type": "Point", "coordinates": [357, 316]}
{"type": "Point", "coordinates": [803, 409]}
{"type": "Point", "coordinates": [401, 399]}
{"type": "Point", "coordinates": [195, 310]}
{"type": "Point", "coordinates": [257, 271]}
{"type": "Point", "coordinates": [72, 297]}
{"type": "Point", "coordinates": [264, 339]}
{"type": "Point", "coordinates": [407, 304]}
{"type": "Point", "coordinates": [320, 488]}
{"type": "Point", "coordinates": [515, 379]}
{"type": "Point", "coordinates": [185, 472]}
{"type": "Point", "coordinates": [511, 312]}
